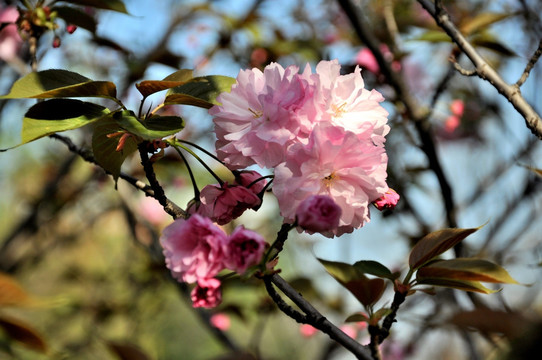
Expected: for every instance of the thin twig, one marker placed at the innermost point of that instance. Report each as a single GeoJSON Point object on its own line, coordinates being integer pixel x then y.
{"type": "Point", "coordinates": [485, 71]}
{"type": "Point", "coordinates": [530, 65]}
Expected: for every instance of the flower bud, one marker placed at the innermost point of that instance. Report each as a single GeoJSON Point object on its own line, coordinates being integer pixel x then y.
{"type": "Point", "coordinates": [70, 29]}
{"type": "Point", "coordinates": [388, 200]}
{"type": "Point", "coordinates": [318, 213]}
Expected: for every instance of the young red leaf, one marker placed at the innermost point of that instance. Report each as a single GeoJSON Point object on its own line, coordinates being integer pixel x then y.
{"type": "Point", "coordinates": [466, 269]}
{"type": "Point", "coordinates": [11, 293]}
{"type": "Point", "coordinates": [367, 291]}
{"type": "Point", "coordinates": [435, 243]}
{"type": "Point", "coordinates": [148, 87]}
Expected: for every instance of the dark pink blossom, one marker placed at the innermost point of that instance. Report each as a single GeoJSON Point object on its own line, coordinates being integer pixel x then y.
{"type": "Point", "coordinates": [318, 213]}
{"type": "Point", "coordinates": [243, 249]}
{"type": "Point", "coordinates": [193, 248]}
{"type": "Point", "coordinates": [207, 293]}
{"type": "Point", "coordinates": [388, 201]}
{"type": "Point", "coordinates": [227, 202]}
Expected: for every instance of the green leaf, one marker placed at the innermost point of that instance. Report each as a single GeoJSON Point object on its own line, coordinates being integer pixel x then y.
{"type": "Point", "coordinates": [155, 127]}
{"type": "Point", "coordinates": [114, 5]}
{"type": "Point", "coordinates": [148, 87]}
{"type": "Point", "coordinates": [342, 272]}
{"type": "Point", "coordinates": [490, 42]}
{"type": "Point", "coordinates": [466, 269]}
{"type": "Point", "coordinates": [104, 147]}
{"type": "Point", "coordinates": [481, 21]}
{"type": "Point", "coordinates": [465, 285]}
{"type": "Point", "coordinates": [56, 115]}
{"type": "Point", "coordinates": [357, 317]}
{"type": "Point", "coordinates": [435, 243]}
{"type": "Point", "coordinates": [59, 84]}
{"type": "Point", "coordinates": [200, 91]}
{"type": "Point", "coordinates": [375, 268]}
{"type": "Point", "coordinates": [76, 17]}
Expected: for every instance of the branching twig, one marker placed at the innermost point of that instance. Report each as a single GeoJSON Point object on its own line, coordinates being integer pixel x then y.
{"type": "Point", "coordinates": [485, 71]}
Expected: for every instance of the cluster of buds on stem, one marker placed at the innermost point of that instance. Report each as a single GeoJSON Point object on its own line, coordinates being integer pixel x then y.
{"type": "Point", "coordinates": [34, 22]}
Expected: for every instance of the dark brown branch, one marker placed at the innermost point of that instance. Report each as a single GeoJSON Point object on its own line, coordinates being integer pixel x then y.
{"type": "Point", "coordinates": [316, 319]}
{"type": "Point", "coordinates": [485, 71]}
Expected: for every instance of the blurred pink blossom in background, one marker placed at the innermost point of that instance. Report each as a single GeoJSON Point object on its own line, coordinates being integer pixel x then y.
{"type": "Point", "coordinates": [10, 41]}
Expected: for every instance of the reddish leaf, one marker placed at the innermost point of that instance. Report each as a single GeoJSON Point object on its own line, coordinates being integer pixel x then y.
{"type": "Point", "coordinates": [11, 293]}
{"type": "Point", "coordinates": [466, 269]}
{"type": "Point", "coordinates": [148, 87]}
{"type": "Point", "coordinates": [367, 291]}
{"type": "Point", "coordinates": [127, 351]}
{"type": "Point", "coordinates": [435, 243]}
{"type": "Point", "coordinates": [23, 333]}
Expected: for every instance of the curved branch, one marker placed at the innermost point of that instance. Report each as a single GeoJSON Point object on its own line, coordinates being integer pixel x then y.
{"type": "Point", "coordinates": [484, 70]}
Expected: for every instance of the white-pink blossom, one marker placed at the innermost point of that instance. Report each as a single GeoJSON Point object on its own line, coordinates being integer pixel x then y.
{"type": "Point", "coordinates": [193, 248]}
{"type": "Point", "coordinates": [335, 163]}
{"type": "Point", "coordinates": [257, 119]}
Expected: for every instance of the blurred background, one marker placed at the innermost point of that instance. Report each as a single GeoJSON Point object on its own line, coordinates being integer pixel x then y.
{"type": "Point", "coordinates": [92, 284]}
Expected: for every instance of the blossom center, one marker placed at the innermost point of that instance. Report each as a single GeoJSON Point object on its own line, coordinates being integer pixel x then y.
{"type": "Point", "coordinates": [338, 111]}
{"type": "Point", "coordinates": [328, 180]}
{"type": "Point", "coordinates": [256, 114]}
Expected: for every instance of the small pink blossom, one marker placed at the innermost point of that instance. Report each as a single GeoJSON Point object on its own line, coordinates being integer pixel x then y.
{"type": "Point", "coordinates": [451, 123]}
{"type": "Point", "coordinates": [307, 330]}
{"type": "Point", "coordinates": [207, 293]}
{"type": "Point", "coordinates": [151, 210]}
{"type": "Point", "coordinates": [10, 41]}
{"type": "Point", "coordinates": [193, 248]}
{"type": "Point", "coordinates": [227, 202]}
{"type": "Point", "coordinates": [388, 201]}
{"type": "Point", "coordinates": [457, 107]}
{"type": "Point", "coordinates": [318, 213]}
{"type": "Point", "coordinates": [338, 164]}
{"type": "Point", "coordinates": [243, 249]}
{"type": "Point", "coordinates": [349, 330]}
{"type": "Point", "coordinates": [220, 321]}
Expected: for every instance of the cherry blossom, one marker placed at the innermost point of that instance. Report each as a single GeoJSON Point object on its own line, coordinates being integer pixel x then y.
{"type": "Point", "coordinates": [193, 248]}
{"type": "Point", "coordinates": [388, 201]}
{"type": "Point", "coordinates": [336, 163]}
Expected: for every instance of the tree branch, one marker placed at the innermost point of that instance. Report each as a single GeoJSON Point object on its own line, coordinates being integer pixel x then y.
{"type": "Point", "coordinates": [485, 71]}
{"type": "Point", "coordinates": [316, 319]}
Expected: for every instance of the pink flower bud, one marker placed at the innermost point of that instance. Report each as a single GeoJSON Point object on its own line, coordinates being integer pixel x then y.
{"type": "Point", "coordinates": [71, 28]}
{"type": "Point", "coordinates": [243, 249]}
{"type": "Point", "coordinates": [318, 213]}
{"type": "Point", "coordinates": [207, 293]}
{"type": "Point", "coordinates": [388, 200]}
{"type": "Point", "coordinates": [220, 321]}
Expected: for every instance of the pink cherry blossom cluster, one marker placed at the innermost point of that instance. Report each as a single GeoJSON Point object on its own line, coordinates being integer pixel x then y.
{"type": "Point", "coordinates": [323, 134]}
{"type": "Point", "coordinates": [196, 250]}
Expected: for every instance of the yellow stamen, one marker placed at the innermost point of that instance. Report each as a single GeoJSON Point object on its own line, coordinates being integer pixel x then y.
{"type": "Point", "coordinates": [256, 114]}
{"type": "Point", "coordinates": [338, 111]}
{"type": "Point", "coordinates": [328, 180]}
